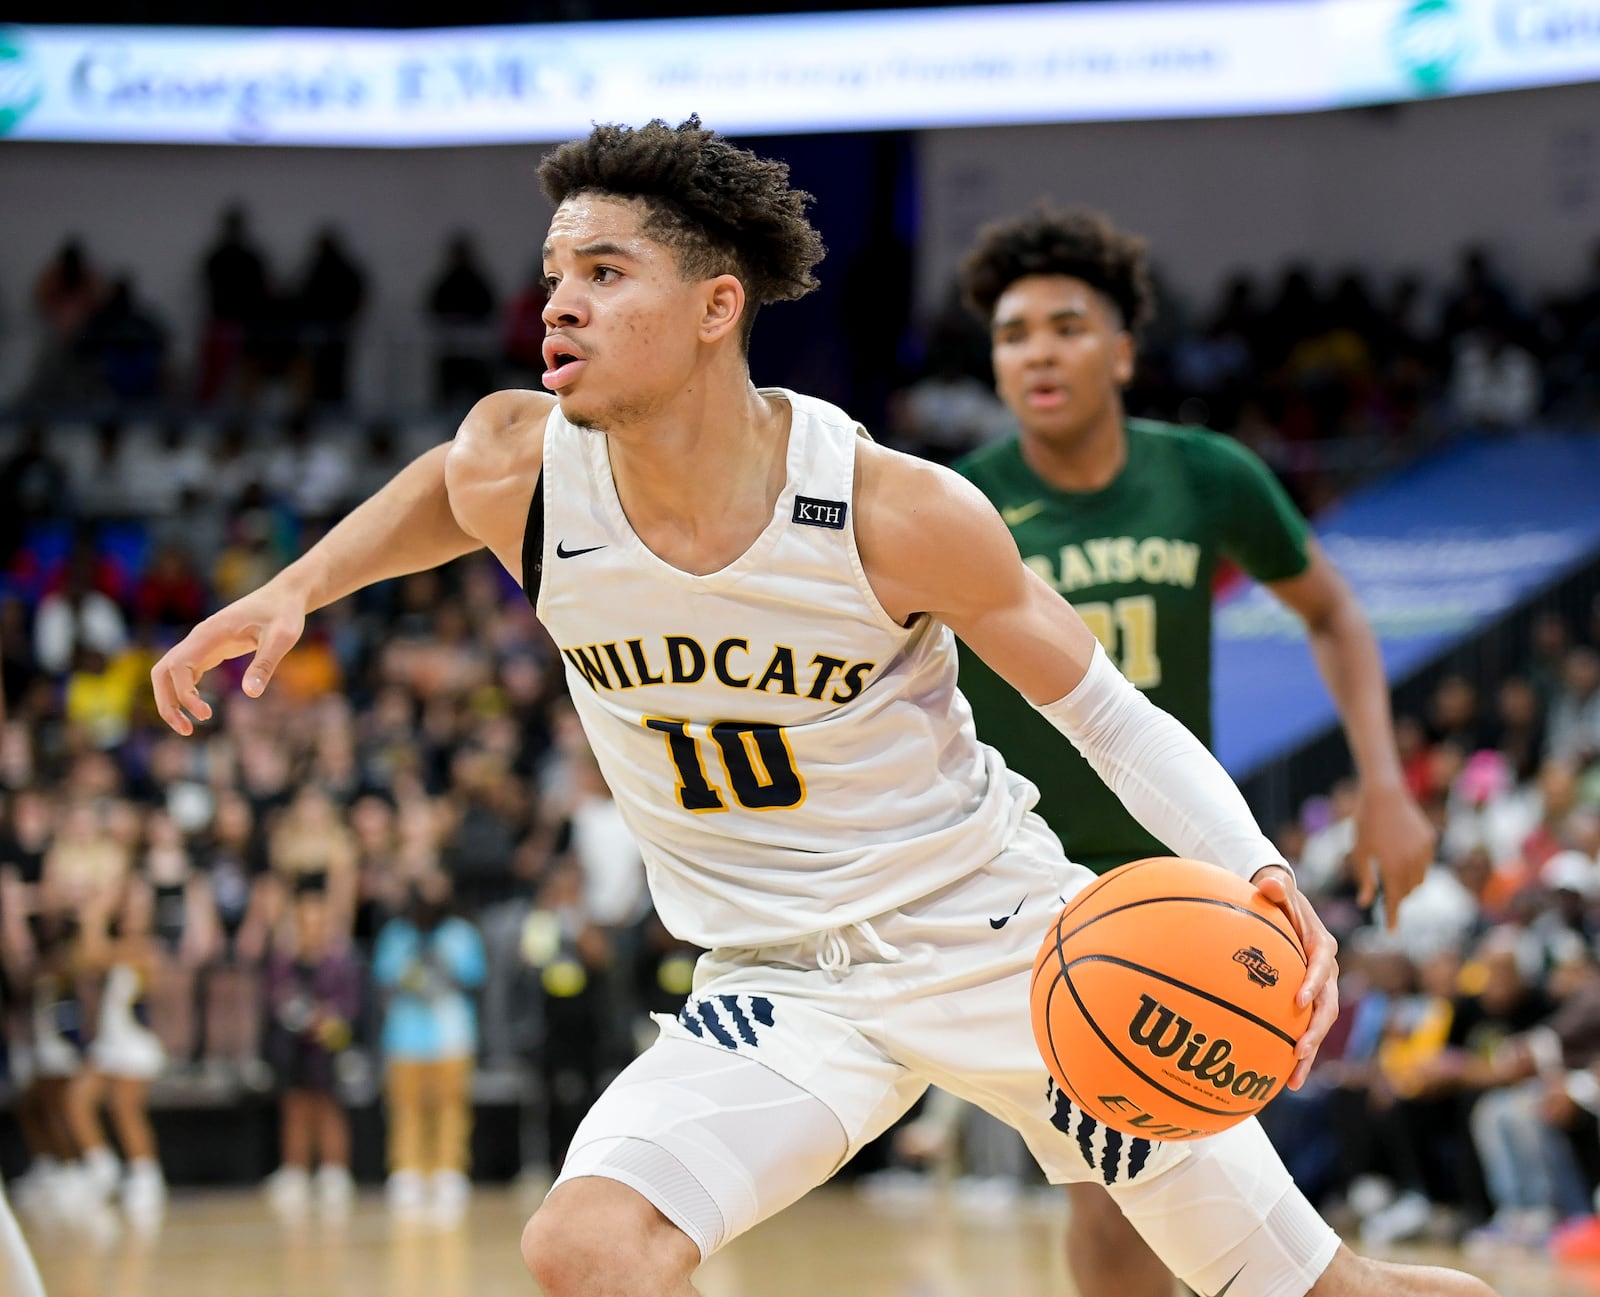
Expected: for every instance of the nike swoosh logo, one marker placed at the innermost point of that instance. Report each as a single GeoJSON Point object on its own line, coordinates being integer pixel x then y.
{"type": "Point", "coordinates": [999, 923]}
{"type": "Point", "coordinates": [1223, 1291]}
{"type": "Point", "coordinates": [563, 552]}
{"type": "Point", "coordinates": [1019, 514]}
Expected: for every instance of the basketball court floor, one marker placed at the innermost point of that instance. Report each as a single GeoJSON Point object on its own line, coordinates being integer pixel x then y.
{"type": "Point", "coordinates": [218, 1243]}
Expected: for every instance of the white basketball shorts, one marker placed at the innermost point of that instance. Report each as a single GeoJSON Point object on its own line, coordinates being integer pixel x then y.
{"type": "Point", "coordinates": [787, 1060]}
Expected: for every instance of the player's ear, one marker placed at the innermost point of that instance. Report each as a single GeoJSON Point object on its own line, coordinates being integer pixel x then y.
{"type": "Point", "coordinates": [1122, 358]}
{"type": "Point", "coordinates": [724, 305]}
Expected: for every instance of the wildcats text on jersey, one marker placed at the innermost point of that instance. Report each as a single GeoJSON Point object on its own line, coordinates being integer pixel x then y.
{"type": "Point", "coordinates": [683, 660]}
{"type": "Point", "coordinates": [1120, 559]}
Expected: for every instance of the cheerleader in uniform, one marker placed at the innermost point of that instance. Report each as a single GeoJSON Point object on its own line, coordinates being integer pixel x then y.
{"type": "Point", "coordinates": [125, 1055]}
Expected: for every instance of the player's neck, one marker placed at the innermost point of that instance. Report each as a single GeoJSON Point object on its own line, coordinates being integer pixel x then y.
{"type": "Point", "coordinates": [1087, 461]}
{"type": "Point", "coordinates": [707, 469]}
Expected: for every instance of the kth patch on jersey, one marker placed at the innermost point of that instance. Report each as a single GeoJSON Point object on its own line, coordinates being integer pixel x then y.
{"type": "Point", "coordinates": [820, 513]}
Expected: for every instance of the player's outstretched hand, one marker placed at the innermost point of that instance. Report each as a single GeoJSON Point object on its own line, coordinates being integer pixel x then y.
{"type": "Point", "coordinates": [1321, 987]}
{"type": "Point", "coordinates": [267, 622]}
{"type": "Point", "coordinates": [1394, 843]}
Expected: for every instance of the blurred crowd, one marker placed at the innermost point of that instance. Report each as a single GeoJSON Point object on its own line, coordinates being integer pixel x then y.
{"type": "Point", "coordinates": [265, 336]}
{"type": "Point", "coordinates": [1329, 374]}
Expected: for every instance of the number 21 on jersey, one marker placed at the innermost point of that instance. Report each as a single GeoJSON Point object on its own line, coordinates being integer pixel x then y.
{"type": "Point", "coordinates": [756, 760]}
{"type": "Point", "coordinates": [1132, 621]}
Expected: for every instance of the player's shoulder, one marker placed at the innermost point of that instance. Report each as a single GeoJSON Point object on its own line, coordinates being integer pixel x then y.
{"type": "Point", "coordinates": [816, 409]}
{"type": "Point", "coordinates": [991, 462]}
{"type": "Point", "coordinates": [502, 428]}
{"type": "Point", "coordinates": [510, 412]}
{"type": "Point", "coordinates": [1203, 452]}
{"type": "Point", "coordinates": [901, 495]}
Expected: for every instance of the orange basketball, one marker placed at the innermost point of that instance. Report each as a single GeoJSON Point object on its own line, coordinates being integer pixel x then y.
{"type": "Point", "coordinates": [1164, 999]}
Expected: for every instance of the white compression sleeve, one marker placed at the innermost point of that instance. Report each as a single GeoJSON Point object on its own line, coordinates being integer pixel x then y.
{"type": "Point", "coordinates": [1162, 773]}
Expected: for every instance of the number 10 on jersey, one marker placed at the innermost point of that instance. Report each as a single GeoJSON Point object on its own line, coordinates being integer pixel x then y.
{"type": "Point", "coordinates": [756, 760]}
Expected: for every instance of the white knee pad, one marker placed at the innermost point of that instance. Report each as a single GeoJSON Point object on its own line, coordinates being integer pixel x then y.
{"type": "Point", "coordinates": [716, 1142]}
{"type": "Point", "coordinates": [1228, 1218]}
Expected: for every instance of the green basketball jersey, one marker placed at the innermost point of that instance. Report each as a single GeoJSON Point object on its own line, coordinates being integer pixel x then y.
{"type": "Point", "coordinates": [1137, 560]}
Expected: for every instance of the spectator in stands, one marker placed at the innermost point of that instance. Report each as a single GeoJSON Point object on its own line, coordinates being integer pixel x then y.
{"type": "Point", "coordinates": [1479, 291]}
{"type": "Point", "coordinates": [34, 487]}
{"type": "Point", "coordinates": [1420, 1120]}
{"type": "Point", "coordinates": [461, 309]}
{"type": "Point", "coordinates": [313, 987]}
{"type": "Point", "coordinates": [310, 847]}
{"type": "Point", "coordinates": [238, 309]}
{"type": "Point", "coordinates": [185, 933]}
{"type": "Point", "coordinates": [567, 964]}
{"type": "Point", "coordinates": [85, 863]}
{"type": "Point", "coordinates": [67, 292]}
{"type": "Point", "coordinates": [124, 346]}
{"type": "Point", "coordinates": [77, 615]}
{"type": "Point", "coordinates": [380, 891]}
{"type": "Point", "coordinates": [491, 817]}
{"type": "Point", "coordinates": [1550, 638]}
{"type": "Point", "coordinates": [170, 593]}
{"type": "Point", "coordinates": [331, 294]}
{"type": "Point", "coordinates": [524, 330]}
{"type": "Point", "coordinates": [1534, 1180]}
{"type": "Point", "coordinates": [1518, 732]}
{"type": "Point", "coordinates": [429, 962]}
{"type": "Point", "coordinates": [1453, 715]}
{"type": "Point", "coordinates": [233, 858]}
{"type": "Point", "coordinates": [1574, 733]}
{"type": "Point", "coordinates": [308, 473]}
{"type": "Point", "coordinates": [615, 900]}
{"type": "Point", "coordinates": [949, 411]}
{"type": "Point", "coordinates": [249, 554]}
{"type": "Point", "coordinates": [1494, 382]}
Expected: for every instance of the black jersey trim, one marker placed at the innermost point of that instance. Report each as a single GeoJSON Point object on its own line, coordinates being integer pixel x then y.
{"type": "Point", "coordinates": [533, 545]}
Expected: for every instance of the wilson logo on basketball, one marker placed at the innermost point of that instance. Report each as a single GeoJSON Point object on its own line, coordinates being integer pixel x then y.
{"type": "Point", "coordinates": [1255, 963]}
{"type": "Point", "coordinates": [1165, 1034]}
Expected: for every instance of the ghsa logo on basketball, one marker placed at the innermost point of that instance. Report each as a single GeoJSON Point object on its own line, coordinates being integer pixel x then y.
{"type": "Point", "coordinates": [1255, 964]}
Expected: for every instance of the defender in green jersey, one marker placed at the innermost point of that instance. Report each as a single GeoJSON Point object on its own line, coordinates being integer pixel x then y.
{"type": "Point", "coordinates": [1129, 521]}
{"type": "Point", "coordinates": [1137, 559]}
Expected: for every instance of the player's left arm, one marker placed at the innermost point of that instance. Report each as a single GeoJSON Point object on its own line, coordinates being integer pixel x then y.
{"type": "Point", "coordinates": [1391, 830]}
{"type": "Point", "coordinates": [932, 544]}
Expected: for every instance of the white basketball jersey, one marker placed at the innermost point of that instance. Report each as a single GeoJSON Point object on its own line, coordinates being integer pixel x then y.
{"type": "Point", "coordinates": [790, 758]}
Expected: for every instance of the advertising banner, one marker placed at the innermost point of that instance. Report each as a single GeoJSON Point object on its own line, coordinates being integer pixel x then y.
{"type": "Point", "coordinates": [1433, 554]}
{"type": "Point", "coordinates": [820, 72]}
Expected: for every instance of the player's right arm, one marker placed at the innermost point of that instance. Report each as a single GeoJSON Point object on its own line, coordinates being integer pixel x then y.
{"type": "Point", "coordinates": [932, 544]}
{"type": "Point", "coordinates": [445, 503]}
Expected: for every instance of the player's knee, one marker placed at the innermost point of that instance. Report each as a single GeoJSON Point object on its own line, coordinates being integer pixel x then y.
{"type": "Point", "coordinates": [596, 1235]}
{"type": "Point", "coordinates": [563, 1254]}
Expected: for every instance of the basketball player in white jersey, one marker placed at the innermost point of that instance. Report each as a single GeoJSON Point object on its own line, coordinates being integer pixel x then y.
{"type": "Point", "coordinates": [755, 605]}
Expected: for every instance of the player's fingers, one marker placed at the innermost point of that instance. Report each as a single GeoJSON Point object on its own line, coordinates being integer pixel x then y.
{"type": "Point", "coordinates": [186, 679]}
{"type": "Point", "coordinates": [276, 640]}
{"type": "Point", "coordinates": [1276, 889]}
{"type": "Point", "coordinates": [1323, 1016]}
{"type": "Point", "coordinates": [1322, 957]}
{"type": "Point", "coordinates": [1364, 861]}
{"type": "Point", "coordinates": [166, 692]}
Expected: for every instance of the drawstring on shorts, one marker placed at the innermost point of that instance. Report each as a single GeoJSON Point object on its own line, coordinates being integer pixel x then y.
{"type": "Point", "coordinates": [833, 948]}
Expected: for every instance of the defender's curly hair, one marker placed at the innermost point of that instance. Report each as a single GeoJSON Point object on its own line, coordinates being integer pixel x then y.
{"type": "Point", "coordinates": [1048, 241]}
{"type": "Point", "coordinates": [721, 208]}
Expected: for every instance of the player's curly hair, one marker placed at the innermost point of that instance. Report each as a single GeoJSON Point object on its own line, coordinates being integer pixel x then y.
{"type": "Point", "coordinates": [1049, 241]}
{"type": "Point", "coordinates": [722, 209]}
